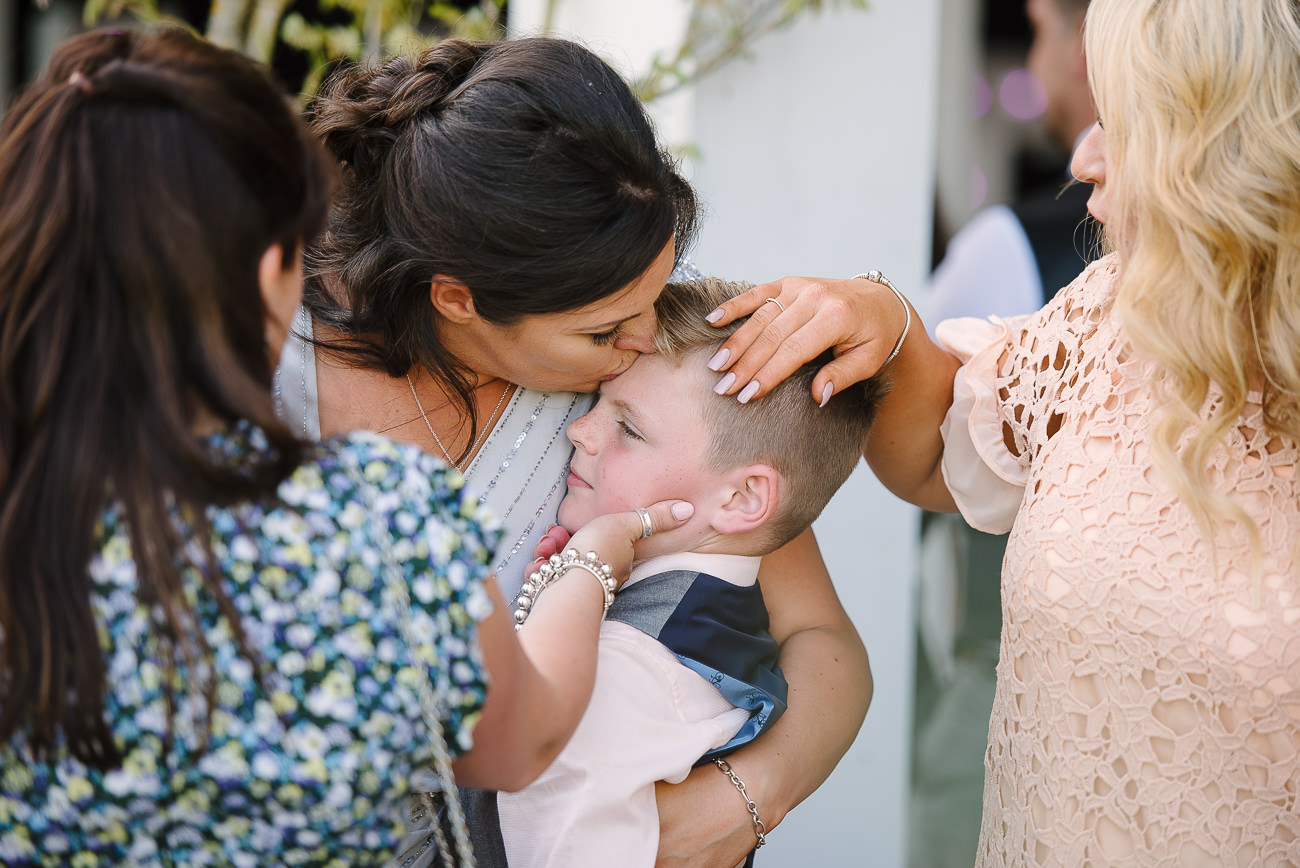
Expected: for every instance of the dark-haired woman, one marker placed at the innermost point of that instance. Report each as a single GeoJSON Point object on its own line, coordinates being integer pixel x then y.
{"type": "Point", "coordinates": [506, 222]}
{"type": "Point", "coordinates": [220, 645]}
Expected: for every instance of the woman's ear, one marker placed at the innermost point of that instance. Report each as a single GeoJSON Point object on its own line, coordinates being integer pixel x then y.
{"type": "Point", "coordinates": [753, 501]}
{"type": "Point", "coordinates": [281, 285]}
{"type": "Point", "coordinates": [452, 299]}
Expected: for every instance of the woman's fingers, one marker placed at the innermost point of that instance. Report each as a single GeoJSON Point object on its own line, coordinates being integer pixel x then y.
{"type": "Point", "coordinates": [851, 364]}
{"type": "Point", "coordinates": [762, 313]}
{"type": "Point", "coordinates": [767, 333]}
{"type": "Point", "coordinates": [612, 536]}
{"type": "Point", "coordinates": [857, 319]}
{"type": "Point", "coordinates": [745, 303]}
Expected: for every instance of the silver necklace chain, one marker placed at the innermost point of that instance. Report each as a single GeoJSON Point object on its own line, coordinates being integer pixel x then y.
{"type": "Point", "coordinates": [483, 429]}
{"type": "Point", "coordinates": [514, 550]}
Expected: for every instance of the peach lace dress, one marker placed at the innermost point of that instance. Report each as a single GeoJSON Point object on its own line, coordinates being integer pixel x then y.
{"type": "Point", "coordinates": [1148, 698]}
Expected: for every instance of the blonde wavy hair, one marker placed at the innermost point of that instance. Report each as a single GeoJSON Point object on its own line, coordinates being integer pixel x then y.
{"type": "Point", "coordinates": [1200, 101]}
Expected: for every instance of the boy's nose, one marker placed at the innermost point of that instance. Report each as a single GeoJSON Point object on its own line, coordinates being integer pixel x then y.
{"type": "Point", "coordinates": [579, 434]}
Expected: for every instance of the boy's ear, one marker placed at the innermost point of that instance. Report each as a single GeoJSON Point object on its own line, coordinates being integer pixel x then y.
{"type": "Point", "coordinates": [452, 299]}
{"type": "Point", "coordinates": [754, 497]}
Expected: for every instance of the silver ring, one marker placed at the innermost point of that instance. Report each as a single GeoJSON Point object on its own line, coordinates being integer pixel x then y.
{"type": "Point", "coordinates": [777, 303]}
{"type": "Point", "coordinates": [647, 526]}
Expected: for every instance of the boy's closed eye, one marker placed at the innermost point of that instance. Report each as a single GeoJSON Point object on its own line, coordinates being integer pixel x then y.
{"type": "Point", "coordinates": [623, 414]}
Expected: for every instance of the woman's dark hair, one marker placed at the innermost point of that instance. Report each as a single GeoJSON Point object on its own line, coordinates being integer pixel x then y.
{"type": "Point", "coordinates": [526, 170]}
{"type": "Point", "coordinates": [141, 180]}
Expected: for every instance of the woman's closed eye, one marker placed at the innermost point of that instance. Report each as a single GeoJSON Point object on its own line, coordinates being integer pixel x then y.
{"type": "Point", "coordinates": [629, 431]}
{"type": "Point", "coordinates": [604, 339]}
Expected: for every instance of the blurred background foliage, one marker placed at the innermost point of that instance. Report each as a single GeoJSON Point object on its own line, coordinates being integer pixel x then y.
{"type": "Point", "coordinates": [304, 39]}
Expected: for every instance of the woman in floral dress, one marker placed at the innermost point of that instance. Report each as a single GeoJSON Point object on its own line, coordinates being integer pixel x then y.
{"type": "Point", "coordinates": [220, 645]}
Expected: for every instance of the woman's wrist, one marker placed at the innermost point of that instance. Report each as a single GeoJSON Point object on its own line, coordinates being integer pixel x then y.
{"type": "Point", "coordinates": [876, 277]}
{"type": "Point", "coordinates": [760, 828]}
{"type": "Point", "coordinates": [756, 772]}
{"type": "Point", "coordinates": [557, 567]}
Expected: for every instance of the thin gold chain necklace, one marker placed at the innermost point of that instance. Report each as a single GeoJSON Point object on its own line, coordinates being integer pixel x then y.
{"type": "Point", "coordinates": [483, 429]}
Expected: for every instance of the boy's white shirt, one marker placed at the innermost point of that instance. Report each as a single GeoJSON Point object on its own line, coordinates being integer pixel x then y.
{"type": "Point", "coordinates": [650, 719]}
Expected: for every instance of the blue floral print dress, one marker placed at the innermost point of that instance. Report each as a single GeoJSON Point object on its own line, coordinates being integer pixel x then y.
{"type": "Point", "coordinates": [312, 767]}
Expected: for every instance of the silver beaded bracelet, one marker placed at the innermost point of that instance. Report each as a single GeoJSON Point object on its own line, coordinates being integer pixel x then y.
{"type": "Point", "coordinates": [759, 829]}
{"type": "Point", "coordinates": [877, 277]}
{"type": "Point", "coordinates": [555, 567]}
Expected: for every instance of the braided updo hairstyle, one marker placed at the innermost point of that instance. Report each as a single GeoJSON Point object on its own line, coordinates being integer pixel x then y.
{"type": "Point", "coordinates": [526, 170]}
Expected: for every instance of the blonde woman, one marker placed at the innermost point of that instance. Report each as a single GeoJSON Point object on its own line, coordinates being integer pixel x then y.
{"type": "Point", "coordinates": [1138, 438]}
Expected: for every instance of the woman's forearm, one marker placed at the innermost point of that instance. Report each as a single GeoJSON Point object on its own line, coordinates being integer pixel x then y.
{"type": "Point", "coordinates": [540, 684]}
{"type": "Point", "coordinates": [904, 446]}
{"type": "Point", "coordinates": [830, 689]}
{"type": "Point", "coordinates": [704, 820]}
{"type": "Point", "coordinates": [826, 667]}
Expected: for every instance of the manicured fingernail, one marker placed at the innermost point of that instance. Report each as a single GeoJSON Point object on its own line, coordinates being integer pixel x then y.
{"type": "Point", "coordinates": [715, 316]}
{"type": "Point", "coordinates": [748, 392]}
{"type": "Point", "coordinates": [719, 359]}
{"type": "Point", "coordinates": [551, 527]}
{"type": "Point", "coordinates": [827, 391]}
{"type": "Point", "coordinates": [725, 383]}
{"type": "Point", "coordinates": [682, 510]}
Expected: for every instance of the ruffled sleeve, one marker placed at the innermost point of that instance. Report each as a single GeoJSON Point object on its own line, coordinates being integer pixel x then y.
{"type": "Point", "coordinates": [986, 480]}
{"type": "Point", "coordinates": [1007, 395]}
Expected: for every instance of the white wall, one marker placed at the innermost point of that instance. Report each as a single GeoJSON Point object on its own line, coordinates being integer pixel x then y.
{"type": "Point", "coordinates": [816, 157]}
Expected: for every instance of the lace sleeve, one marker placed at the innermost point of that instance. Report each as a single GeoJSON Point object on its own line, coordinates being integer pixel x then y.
{"type": "Point", "coordinates": [1005, 398]}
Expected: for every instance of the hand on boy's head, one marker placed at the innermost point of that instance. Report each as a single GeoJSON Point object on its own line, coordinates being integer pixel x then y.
{"type": "Point", "coordinates": [857, 319]}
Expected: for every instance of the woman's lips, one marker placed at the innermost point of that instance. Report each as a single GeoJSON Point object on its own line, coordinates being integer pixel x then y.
{"type": "Point", "coordinates": [573, 480]}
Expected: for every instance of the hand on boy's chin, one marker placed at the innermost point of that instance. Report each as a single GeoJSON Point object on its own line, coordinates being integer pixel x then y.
{"type": "Point", "coordinates": [557, 537]}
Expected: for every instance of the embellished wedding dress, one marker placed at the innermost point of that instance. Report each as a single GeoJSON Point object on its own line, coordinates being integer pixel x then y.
{"type": "Point", "coordinates": [1148, 697]}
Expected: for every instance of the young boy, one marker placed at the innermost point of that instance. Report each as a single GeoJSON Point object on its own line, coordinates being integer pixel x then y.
{"type": "Point", "coordinates": [687, 670]}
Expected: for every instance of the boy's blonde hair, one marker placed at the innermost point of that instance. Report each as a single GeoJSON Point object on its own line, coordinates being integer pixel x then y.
{"type": "Point", "coordinates": [814, 449]}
